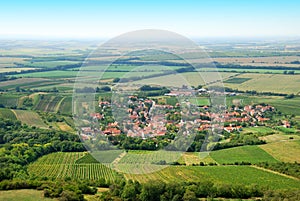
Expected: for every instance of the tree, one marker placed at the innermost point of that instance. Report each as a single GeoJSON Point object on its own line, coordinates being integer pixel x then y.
{"type": "Point", "coordinates": [189, 196]}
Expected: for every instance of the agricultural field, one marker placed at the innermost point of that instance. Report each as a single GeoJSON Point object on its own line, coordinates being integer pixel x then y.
{"type": "Point", "coordinates": [285, 150]}
{"type": "Point", "coordinates": [262, 130]}
{"type": "Point", "coordinates": [194, 158]}
{"type": "Point", "coordinates": [24, 195]}
{"type": "Point", "coordinates": [7, 114]}
{"type": "Point", "coordinates": [252, 154]}
{"type": "Point", "coordinates": [237, 80]}
{"type": "Point", "coordinates": [276, 83]}
{"type": "Point", "coordinates": [239, 175]}
{"type": "Point", "coordinates": [190, 78]}
{"type": "Point", "coordinates": [62, 165]}
{"type": "Point", "coordinates": [150, 157]}
{"type": "Point", "coordinates": [11, 84]}
{"type": "Point", "coordinates": [101, 156]}
{"type": "Point", "coordinates": [30, 118]}
{"type": "Point", "coordinates": [8, 100]}
{"type": "Point", "coordinates": [279, 137]}
{"type": "Point", "coordinates": [66, 106]}
{"type": "Point", "coordinates": [64, 127]}
{"type": "Point", "coordinates": [49, 102]}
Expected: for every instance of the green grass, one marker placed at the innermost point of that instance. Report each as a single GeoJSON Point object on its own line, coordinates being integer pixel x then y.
{"type": "Point", "coordinates": [24, 195]}
{"type": "Point", "coordinates": [7, 114]}
{"type": "Point", "coordinates": [263, 130]}
{"type": "Point", "coordinates": [240, 175]}
{"type": "Point", "coordinates": [287, 130]}
{"type": "Point", "coordinates": [30, 118]}
{"type": "Point", "coordinates": [252, 154]}
{"type": "Point", "coordinates": [200, 101]}
{"type": "Point", "coordinates": [237, 80]}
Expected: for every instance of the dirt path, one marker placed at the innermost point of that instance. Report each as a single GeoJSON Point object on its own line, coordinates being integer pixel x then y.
{"type": "Point", "coordinates": [116, 161]}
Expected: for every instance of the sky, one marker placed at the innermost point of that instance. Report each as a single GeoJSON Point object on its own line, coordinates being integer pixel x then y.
{"type": "Point", "coordinates": [106, 19]}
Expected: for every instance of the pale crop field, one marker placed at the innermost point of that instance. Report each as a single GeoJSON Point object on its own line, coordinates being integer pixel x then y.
{"type": "Point", "coordinates": [190, 79]}
{"type": "Point", "coordinates": [286, 151]}
{"type": "Point", "coordinates": [277, 83]}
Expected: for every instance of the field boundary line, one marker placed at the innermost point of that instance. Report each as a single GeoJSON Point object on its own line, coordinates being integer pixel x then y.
{"type": "Point", "coordinates": [116, 161]}
{"type": "Point", "coordinates": [15, 114]}
{"type": "Point", "coordinates": [274, 172]}
{"type": "Point", "coordinates": [59, 103]}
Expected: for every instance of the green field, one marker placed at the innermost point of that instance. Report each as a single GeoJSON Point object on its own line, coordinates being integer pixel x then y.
{"type": "Point", "coordinates": [49, 64]}
{"type": "Point", "coordinates": [101, 156]}
{"type": "Point", "coordinates": [66, 106]}
{"type": "Point", "coordinates": [252, 154]}
{"type": "Point", "coordinates": [262, 130]}
{"type": "Point", "coordinates": [62, 165]}
{"type": "Point", "coordinates": [24, 195]}
{"type": "Point", "coordinates": [7, 114]}
{"type": "Point", "coordinates": [150, 157]}
{"type": "Point", "coordinates": [237, 80]}
{"type": "Point", "coordinates": [30, 118]}
{"type": "Point", "coordinates": [240, 175]}
{"type": "Point", "coordinates": [9, 100]}
{"type": "Point", "coordinates": [49, 102]}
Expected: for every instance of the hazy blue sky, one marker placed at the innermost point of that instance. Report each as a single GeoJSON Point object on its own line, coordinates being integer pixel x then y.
{"type": "Point", "coordinates": [112, 17]}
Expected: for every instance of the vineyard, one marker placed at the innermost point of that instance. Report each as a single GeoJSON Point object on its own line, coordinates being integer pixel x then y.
{"type": "Point", "coordinates": [101, 156]}
{"type": "Point", "coordinates": [9, 101]}
{"type": "Point", "coordinates": [240, 175]}
{"type": "Point", "coordinates": [63, 165]}
{"type": "Point", "coordinates": [48, 103]}
{"type": "Point", "coordinates": [66, 106]}
{"type": "Point", "coordinates": [30, 118]}
{"type": "Point", "coordinates": [252, 154]}
{"type": "Point", "coordinates": [150, 157]}
{"type": "Point", "coordinates": [7, 114]}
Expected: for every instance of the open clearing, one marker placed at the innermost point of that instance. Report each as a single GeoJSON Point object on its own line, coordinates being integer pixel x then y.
{"type": "Point", "coordinates": [286, 151]}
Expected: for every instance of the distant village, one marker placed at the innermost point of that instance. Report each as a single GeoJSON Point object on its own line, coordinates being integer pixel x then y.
{"type": "Point", "coordinates": [146, 119]}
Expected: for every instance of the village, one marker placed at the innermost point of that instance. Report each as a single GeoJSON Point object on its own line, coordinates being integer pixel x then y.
{"type": "Point", "coordinates": [144, 118]}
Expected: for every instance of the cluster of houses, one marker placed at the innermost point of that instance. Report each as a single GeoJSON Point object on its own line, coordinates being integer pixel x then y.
{"type": "Point", "coordinates": [145, 118]}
